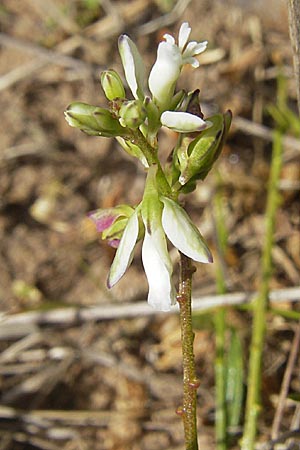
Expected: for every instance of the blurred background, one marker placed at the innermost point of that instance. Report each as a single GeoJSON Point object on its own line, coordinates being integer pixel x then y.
{"type": "Point", "coordinates": [72, 380]}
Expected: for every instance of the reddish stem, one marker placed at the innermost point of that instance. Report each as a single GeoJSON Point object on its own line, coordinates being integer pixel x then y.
{"type": "Point", "coordinates": [190, 382]}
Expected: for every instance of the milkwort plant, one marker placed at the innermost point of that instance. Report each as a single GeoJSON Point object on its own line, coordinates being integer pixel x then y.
{"type": "Point", "coordinates": [135, 123]}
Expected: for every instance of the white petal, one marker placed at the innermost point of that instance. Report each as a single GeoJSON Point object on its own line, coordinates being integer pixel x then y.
{"type": "Point", "coordinates": [125, 250]}
{"type": "Point", "coordinates": [182, 122]}
{"type": "Point", "coordinates": [165, 72]}
{"type": "Point", "coordinates": [192, 61]}
{"type": "Point", "coordinates": [184, 34]}
{"type": "Point", "coordinates": [194, 48]}
{"type": "Point", "coordinates": [201, 46]}
{"type": "Point", "coordinates": [169, 38]}
{"type": "Point", "coordinates": [133, 65]}
{"type": "Point", "coordinates": [161, 290]}
{"type": "Point", "coordinates": [183, 234]}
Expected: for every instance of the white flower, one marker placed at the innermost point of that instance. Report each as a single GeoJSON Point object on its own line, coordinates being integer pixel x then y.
{"type": "Point", "coordinates": [165, 73]}
{"type": "Point", "coordinates": [169, 62]}
{"type": "Point", "coordinates": [189, 49]}
{"type": "Point", "coordinates": [155, 256]}
{"type": "Point", "coordinates": [161, 217]}
{"type": "Point", "coordinates": [182, 122]}
{"type": "Point", "coordinates": [134, 67]}
{"type": "Point", "coordinates": [160, 221]}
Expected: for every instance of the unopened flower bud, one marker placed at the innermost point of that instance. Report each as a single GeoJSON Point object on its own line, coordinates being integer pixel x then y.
{"type": "Point", "coordinates": [132, 114]}
{"type": "Point", "coordinates": [134, 67]}
{"type": "Point", "coordinates": [203, 151]}
{"type": "Point", "coordinates": [112, 85]}
{"type": "Point", "coordinates": [182, 122]}
{"type": "Point", "coordinates": [93, 120]}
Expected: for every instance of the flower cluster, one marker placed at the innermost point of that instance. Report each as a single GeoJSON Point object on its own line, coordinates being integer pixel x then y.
{"type": "Point", "coordinates": [135, 123]}
{"type": "Point", "coordinates": [153, 219]}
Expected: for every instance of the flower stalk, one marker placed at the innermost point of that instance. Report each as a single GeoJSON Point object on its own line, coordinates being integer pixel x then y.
{"type": "Point", "coordinates": [190, 381]}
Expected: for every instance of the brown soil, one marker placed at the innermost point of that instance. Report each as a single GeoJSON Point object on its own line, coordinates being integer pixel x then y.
{"type": "Point", "coordinates": [115, 384]}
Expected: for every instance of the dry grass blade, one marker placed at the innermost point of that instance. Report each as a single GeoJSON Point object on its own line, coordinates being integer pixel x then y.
{"type": "Point", "coordinates": [79, 418]}
{"type": "Point", "coordinates": [72, 316]}
{"type": "Point", "coordinates": [255, 129]}
{"type": "Point", "coordinates": [286, 384]}
{"type": "Point", "coordinates": [50, 56]}
{"type": "Point", "coordinates": [165, 20]}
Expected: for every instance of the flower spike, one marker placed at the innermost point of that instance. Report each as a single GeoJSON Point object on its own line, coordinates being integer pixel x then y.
{"type": "Point", "coordinates": [135, 123]}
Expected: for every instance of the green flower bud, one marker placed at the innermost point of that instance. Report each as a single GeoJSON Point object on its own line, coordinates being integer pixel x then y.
{"type": "Point", "coordinates": [93, 120]}
{"type": "Point", "coordinates": [197, 160]}
{"type": "Point", "coordinates": [132, 114]}
{"type": "Point", "coordinates": [112, 85]}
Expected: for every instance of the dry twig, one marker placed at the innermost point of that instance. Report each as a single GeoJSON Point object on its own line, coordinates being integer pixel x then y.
{"type": "Point", "coordinates": [255, 129]}
{"type": "Point", "coordinates": [24, 323]}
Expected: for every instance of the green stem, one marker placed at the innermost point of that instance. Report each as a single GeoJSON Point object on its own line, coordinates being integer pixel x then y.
{"type": "Point", "coordinates": [261, 303]}
{"type": "Point", "coordinates": [221, 417]}
{"type": "Point", "coordinates": [190, 382]}
{"type": "Point", "coordinates": [220, 327]}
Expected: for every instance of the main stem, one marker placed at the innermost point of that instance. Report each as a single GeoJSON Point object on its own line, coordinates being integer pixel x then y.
{"type": "Point", "coordinates": [190, 382]}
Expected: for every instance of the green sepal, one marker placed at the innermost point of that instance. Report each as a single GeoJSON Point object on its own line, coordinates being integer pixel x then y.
{"type": "Point", "coordinates": [151, 207]}
{"type": "Point", "coordinates": [153, 114]}
{"type": "Point", "coordinates": [133, 150]}
{"type": "Point", "coordinates": [177, 100]}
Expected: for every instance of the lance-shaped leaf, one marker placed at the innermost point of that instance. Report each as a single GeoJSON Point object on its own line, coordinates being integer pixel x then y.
{"type": "Point", "coordinates": [124, 254]}
{"type": "Point", "coordinates": [205, 149]}
{"type": "Point", "coordinates": [182, 232]}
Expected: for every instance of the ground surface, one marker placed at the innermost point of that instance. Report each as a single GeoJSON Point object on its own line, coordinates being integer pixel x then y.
{"type": "Point", "coordinates": [114, 385]}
